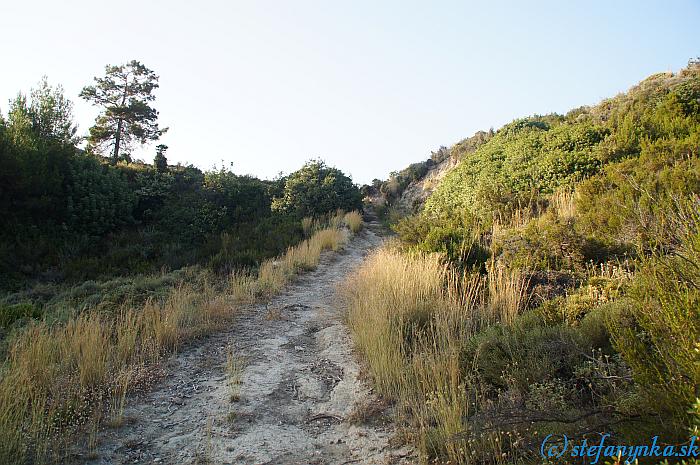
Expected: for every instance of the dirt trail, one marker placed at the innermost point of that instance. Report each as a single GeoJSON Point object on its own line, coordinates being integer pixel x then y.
{"type": "Point", "coordinates": [298, 387]}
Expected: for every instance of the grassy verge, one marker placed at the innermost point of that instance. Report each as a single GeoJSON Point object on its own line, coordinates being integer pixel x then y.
{"type": "Point", "coordinates": [62, 379]}
{"type": "Point", "coordinates": [410, 317]}
{"type": "Point", "coordinates": [480, 373]}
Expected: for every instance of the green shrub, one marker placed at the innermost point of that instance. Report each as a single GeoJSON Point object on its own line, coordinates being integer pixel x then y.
{"type": "Point", "coordinates": [575, 306]}
{"type": "Point", "coordinates": [525, 352]}
{"type": "Point", "coordinates": [626, 205]}
{"type": "Point", "coordinates": [593, 328]}
{"type": "Point", "coordinates": [658, 328]}
{"type": "Point", "coordinates": [630, 158]}
{"type": "Point", "coordinates": [546, 242]}
{"type": "Point", "coordinates": [456, 239]}
{"type": "Point", "coordinates": [535, 154]}
{"type": "Point", "coordinates": [317, 189]}
{"type": "Point", "coordinates": [11, 313]}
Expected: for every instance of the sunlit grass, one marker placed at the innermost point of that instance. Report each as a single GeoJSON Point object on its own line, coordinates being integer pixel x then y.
{"type": "Point", "coordinates": [275, 274]}
{"type": "Point", "coordinates": [58, 378]}
{"type": "Point", "coordinates": [411, 317]}
{"type": "Point", "coordinates": [353, 220]}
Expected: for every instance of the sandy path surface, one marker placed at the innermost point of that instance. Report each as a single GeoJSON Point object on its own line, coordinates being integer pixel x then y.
{"type": "Point", "coordinates": [299, 386]}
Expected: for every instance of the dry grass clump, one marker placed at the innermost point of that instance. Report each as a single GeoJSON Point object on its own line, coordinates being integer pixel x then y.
{"type": "Point", "coordinates": [234, 371]}
{"type": "Point", "coordinates": [58, 379]}
{"type": "Point", "coordinates": [275, 274]}
{"type": "Point", "coordinates": [335, 220]}
{"type": "Point", "coordinates": [307, 225]}
{"type": "Point", "coordinates": [563, 201]}
{"type": "Point", "coordinates": [390, 297]}
{"type": "Point", "coordinates": [411, 317]}
{"type": "Point", "coordinates": [241, 286]}
{"type": "Point", "coordinates": [409, 320]}
{"type": "Point", "coordinates": [311, 225]}
{"type": "Point", "coordinates": [353, 220]}
{"type": "Point", "coordinates": [508, 294]}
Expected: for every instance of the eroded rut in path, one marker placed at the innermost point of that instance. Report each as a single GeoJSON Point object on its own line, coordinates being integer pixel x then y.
{"type": "Point", "coordinates": [298, 389]}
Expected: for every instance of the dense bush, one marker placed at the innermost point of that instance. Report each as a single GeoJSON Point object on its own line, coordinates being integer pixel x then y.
{"type": "Point", "coordinates": [658, 327]}
{"type": "Point", "coordinates": [455, 238]}
{"type": "Point", "coordinates": [547, 242]}
{"type": "Point", "coordinates": [622, 205]}
{"type": "Point", "coordinates": [654, 125]}
{"type": "Point", "coordinates": [70, 215]}
{"type": "Point", "coordinates": [316, 189]}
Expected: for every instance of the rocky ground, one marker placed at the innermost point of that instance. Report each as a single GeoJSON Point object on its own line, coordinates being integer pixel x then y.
{"type": "Point", "coordinates": [282, 386]}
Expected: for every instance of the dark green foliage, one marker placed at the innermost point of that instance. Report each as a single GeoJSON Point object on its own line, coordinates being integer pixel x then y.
{"type": "Point", "coordinates": [454, 237]}
{"type": "Point", "coordinates": [160, 163]}
{"type": "Point", "coordinates": [547, 242]}
{"type": "Point", "coordinates": [98, 199]}
{"type": "Point", "coordinates": [550, 378]}
{"type": "Point", "coordinates": [527, 352]}
{"type": "Point", "coordinates": [658, 326]}
{"type": "Point", "coordinates": [70, 216]}
{"type": "Point", "coordinates": [621, 207]}
{"type": "Point", "coordinates": [316, 189]}
{"type": "Point", "coordinates": [247, 244]}
{"type": "Point", "coordinates": [51, 114]}
{"type": "Point", "coordinates": [11, 313]}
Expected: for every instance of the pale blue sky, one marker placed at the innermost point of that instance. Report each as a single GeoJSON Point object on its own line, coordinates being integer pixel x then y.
{"type": "Point", "coordinates": [369, 86]}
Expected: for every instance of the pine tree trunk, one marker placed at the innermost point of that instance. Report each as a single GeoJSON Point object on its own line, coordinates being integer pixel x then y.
{"type": "Point", "coordinates": [118, 136]}
{"type": "Point", "coordinates": [117, 140]}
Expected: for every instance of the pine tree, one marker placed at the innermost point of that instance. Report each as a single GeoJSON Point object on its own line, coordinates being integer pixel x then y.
{"type": "Point", "coordinates": [160, 163]}
{"type": "Point", "coordinates": [125, 94]}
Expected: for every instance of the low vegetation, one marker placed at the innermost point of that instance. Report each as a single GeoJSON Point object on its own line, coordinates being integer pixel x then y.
{"type": "Point", "coordinates": [387, 193]}
{"type": "Point", "coordinates": [549, 285]}
{"type": "Point", "coordinates": [109, 264]}
{"type": "Point", "coordinates": [353, 220]}
{"type": "Point", "coordinates": [62, 379]}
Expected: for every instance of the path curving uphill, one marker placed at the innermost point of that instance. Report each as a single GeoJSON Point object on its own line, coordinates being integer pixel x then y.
{"type": "Point", "coordinates": [299, 391]}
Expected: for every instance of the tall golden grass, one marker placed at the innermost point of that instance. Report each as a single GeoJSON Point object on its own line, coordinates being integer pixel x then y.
{"type": "Point", "coordinates": [563, 202]}
{"type": "Point", "coordinates": [410, 317]}
{"type": "Point", "coordinates": [353, 220]}
{"type": "Point", "coordinates": [275, 274]}
{"type": "Point", "coordinates": [332, 220]}
{"type": "Point", "coordinates": [58, 380]}
{"type": "Point", "coordinates": [508, 294]}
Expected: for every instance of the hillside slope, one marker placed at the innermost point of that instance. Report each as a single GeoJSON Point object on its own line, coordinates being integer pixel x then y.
{"type": "Point", "coordinates": [536, 155]}
{"type": "Point", "coordinates": [406, 191]}
{"type": "Point", "coordinates": [549, 286]}
{"type": "Point", "coordinates": [417, 192]}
